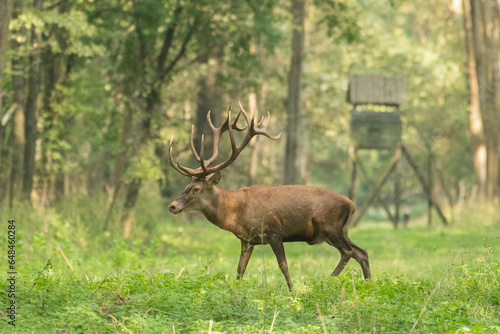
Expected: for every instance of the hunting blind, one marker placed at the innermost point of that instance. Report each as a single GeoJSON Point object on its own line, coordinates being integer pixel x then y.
{"type": "Point", "coordinates": [376, 125]}
{"type": "Point", "coordinates": [375, 129]}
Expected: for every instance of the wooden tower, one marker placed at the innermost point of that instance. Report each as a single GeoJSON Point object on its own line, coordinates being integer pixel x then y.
{"type": "Point", "coordinates": [376, 125]}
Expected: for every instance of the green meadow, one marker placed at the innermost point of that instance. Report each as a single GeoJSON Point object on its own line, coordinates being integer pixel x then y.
{"type": "Point", "coordinates": [177, 275]}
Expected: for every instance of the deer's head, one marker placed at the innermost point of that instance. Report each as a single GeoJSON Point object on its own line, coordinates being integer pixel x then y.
{"type": "Point", "coordinates": [198, 194]}
{"type": "Point", "coordinates": [200, 191]}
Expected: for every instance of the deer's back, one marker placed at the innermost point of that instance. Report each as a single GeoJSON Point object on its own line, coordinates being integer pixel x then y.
{"type": "Point", "coordinates": [297, 212]}
{"type": "Point", "coordinates": [291, 197]}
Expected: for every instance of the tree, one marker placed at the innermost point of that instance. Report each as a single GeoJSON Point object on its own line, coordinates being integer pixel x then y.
{"type": "Point", "coordinates": [162, 38]}
{"type": "Point", "coordinates": [31, 109]}
{"type": "Point", "coordinates": [152, 86]}
{"type": "Point", "coordinates": [150, 59]}
{"type": "Point", "coordinates": [293, 104]}
{"type": "Point", "coordinates": [5, 12]}
{"type": "Point", "coordinates": [482, 31]}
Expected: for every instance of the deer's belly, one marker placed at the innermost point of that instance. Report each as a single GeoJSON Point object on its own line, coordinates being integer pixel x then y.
{"type": "Point", "coordinates": [314, 240]}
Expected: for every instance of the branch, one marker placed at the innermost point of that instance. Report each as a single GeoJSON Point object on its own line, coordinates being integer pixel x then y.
{"type": "Point", "coordinates": [57, 4]}
{"type": "Point", "coordinates": [181, 52]}
{"type": "Point", "coordinates": [169, 37]}
{"type": "Point", "coordinates": [140, 35]}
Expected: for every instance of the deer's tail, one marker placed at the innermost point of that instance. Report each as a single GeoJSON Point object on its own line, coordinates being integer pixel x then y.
{"type": "Point", "coordinates": [348, 217]}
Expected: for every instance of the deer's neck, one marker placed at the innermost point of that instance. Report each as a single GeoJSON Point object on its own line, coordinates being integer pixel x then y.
{"type": "Point", "coordinates": [221, 210]}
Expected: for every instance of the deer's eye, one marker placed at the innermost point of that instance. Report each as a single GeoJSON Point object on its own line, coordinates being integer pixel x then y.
{"type": "Point", "coordinates": [195, 190]}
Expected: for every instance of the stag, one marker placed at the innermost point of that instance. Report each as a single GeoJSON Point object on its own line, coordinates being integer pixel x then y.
{"type": "Point", "coordinates": [265, 214]}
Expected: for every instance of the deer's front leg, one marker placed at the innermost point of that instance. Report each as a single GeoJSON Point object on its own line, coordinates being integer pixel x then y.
{"type": "Point", "coordinates": [279, 250]}
{"type": "Point", "coordinates": [246, 253]}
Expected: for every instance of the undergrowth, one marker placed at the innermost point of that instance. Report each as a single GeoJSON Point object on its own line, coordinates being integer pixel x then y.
{"type": "Point", "coordinates": [179, 277]}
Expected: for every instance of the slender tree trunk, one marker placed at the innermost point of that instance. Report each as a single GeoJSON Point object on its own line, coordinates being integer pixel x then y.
{"type": "Point", "coordinates": [430, 197]}
{"type": "Point", "coordinates": [162, 70]}
{"type": "Point", "coordinates": [478, 146]}
{"type": "Point", "coordinates": [55, 68]}
{"type": "Point", "coordinates": [257, 101]}
{"type": "Point", "coordinates": [209, 98]}
{"type": "Point", "coordinates": [18, 135]}
{"type": "Point", "coordinates": [491, 32]}
{"type": "Point", "coordinates": [254, 159]}
{"type": "Point", "coordinates": [482, 27]}
{"type": "Point", "coordinates": [5, 12]}
{"type": "Point", "coordinates": [31, 111]}
{"type": "Point", "coordinates": [121, 162]}
{"type": "Point", "coordinates": [133, 188]}
{"type": "Point", "coordinates": [129, 205]}
{"type": "Point", "coordinates": [292, 171]}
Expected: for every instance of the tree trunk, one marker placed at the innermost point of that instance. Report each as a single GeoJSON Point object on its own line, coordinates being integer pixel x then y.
{"type": "Point", "coordinates": [475, 119]}
{"type": "Point", "coordinates": [128, 206]}
{"type": "Point", "coordinates": [257, 101]}
{"type": "Point", "coordinates": [491, 113]}
{"type": "Point", "coordinates": [152, 100]}
{"type": "Point", "coordinates": [209, 98]}
{"type": "Point", "coordinates": [254, 144]}
{"type": "Point", "coordinates": [18, 136]}
{"type": "Point", "coordinates": [18, 128]}
{"type": "Point", "coordinates": [5, 12]}
{"type": "Point", "coordinates": [54, 70]}
{"type": "Point", "coordinates": [133, 188]}
{"type": "Point", "coordinates": [55, 67]}
{"type": "Point", "coordinates": [31, 111]}
{"type": "Point", "coordinates": [430, 179]}
{"type": "Point", "coordinates": [482, 27]}
{"type": "Point", "coordinates": [121, 162]}
{"type": "Point", "coordinates": [292, 158]}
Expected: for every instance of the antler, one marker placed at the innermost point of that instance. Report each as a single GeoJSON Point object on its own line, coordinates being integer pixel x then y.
{"type": "Point", "coordinates": [228, 125]}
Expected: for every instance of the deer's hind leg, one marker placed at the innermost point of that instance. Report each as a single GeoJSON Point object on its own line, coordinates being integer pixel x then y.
{"type": "Point", "coordinates": [348, 250]}
{"type": "Point", "coordinates": [337, 237]}
{"type": "Point", "coordinates": [361, 256]}
{"type": "Point", "coordinates": [346, 253]}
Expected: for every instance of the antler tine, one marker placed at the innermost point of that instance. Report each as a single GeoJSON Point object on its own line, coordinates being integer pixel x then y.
{"type": "Point", "coordinates": [230, 130]}
{"type": "Point", "coordinates": [268, 120]}
{"type": "Point", "coordinates": [191, 143]}
{"type": "Point", "coordinates": [176, 166]}
{"type": "Point", "coordinates": [263, 131]}
{"type": "Point", "coordinates": [209, 120]}
{"type": "Point", "coordinates": [202, 151]}
{"type": "Point", "coordinates": [247, 118]}
{"type": "Point", "coordinates": [253, 129]}
{"type": "Point", "coordinates": [260, 122]}
{"type": "Point", "coordinates": [198, 172]}
{"type": "Point", "coordinates": [217, 132]}
{"type": "Point", "coordinates": [202, 147]}
{"type": "Point", "coordinates": [222, 128]}
{"type": "Point", "coordinates": [234, 125]}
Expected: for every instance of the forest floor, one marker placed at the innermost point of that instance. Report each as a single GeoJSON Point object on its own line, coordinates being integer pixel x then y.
{"type": "Point", "coordinates": [177, 276]}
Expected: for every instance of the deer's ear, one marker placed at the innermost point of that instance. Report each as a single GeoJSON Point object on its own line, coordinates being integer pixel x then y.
{"type": "Point", "coordinates": [214, 179]}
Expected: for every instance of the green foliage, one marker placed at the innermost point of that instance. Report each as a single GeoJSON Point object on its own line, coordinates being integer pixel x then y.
{"type": "Point", "coordinates": [171, 275]}
{"type": "Point", "coordinates": [112, 49]}
{"type": "Point", "coordinates": [180, 276]}
{"type": "Point", "coordinates": [75, 36]}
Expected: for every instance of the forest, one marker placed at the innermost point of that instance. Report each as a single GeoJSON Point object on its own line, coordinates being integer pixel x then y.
{"type": "Point", "coordinates": [94, 92]}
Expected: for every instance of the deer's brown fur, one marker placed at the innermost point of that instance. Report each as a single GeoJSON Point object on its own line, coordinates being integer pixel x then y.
{"type": "Point", "coordinates": [267, 214]}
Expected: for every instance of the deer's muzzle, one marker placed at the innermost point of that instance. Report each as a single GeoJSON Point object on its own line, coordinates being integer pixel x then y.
{"type": "Point", "coordinates": [175, 207]}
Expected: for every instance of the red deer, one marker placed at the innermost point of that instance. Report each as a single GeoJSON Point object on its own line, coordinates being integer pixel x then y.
{"type": "Point", "coordinates": [266, 214]}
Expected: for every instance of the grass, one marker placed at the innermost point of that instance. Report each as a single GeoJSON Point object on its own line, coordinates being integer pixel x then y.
{"type": "Point", "coordinates": [179, 277]}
